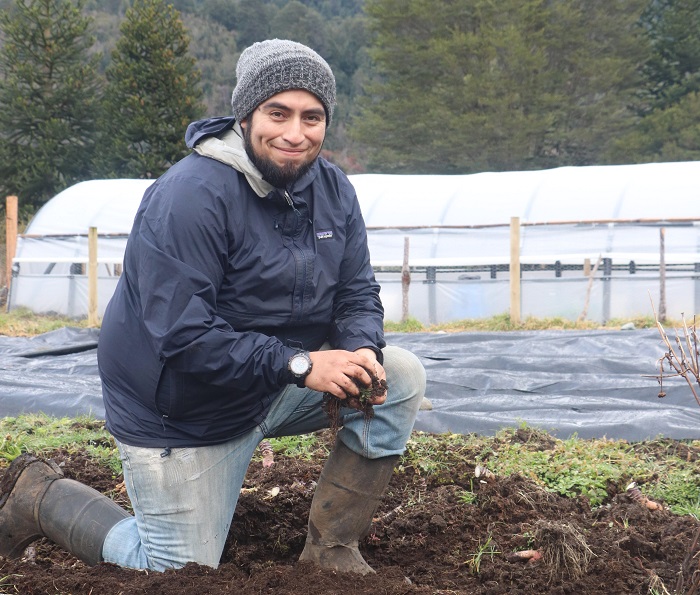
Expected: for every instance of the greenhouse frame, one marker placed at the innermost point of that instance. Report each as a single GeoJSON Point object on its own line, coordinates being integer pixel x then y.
{"type": "Point", "coordinates": [600, 242]}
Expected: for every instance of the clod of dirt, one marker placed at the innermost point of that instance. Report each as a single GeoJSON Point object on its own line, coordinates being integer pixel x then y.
{"type": "Point", "coordinates": [363, 402]}
{"type": "Point", "coordinates": [564, 549]}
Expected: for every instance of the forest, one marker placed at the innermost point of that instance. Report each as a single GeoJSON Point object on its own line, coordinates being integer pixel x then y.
{"type": "Point", "coordinates": [424, 86]}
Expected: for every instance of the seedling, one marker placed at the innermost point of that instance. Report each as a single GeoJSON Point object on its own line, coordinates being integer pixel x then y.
{"type": "Point", "coordinates": [488, 548]}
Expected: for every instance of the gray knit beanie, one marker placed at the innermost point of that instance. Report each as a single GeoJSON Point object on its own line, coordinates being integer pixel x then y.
{"type": "Point", "coordinates": [270, 67]}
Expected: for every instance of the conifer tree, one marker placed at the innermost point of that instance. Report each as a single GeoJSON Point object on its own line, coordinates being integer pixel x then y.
{"type": "Point", "coordinates": [476, 85]}
{"type": "Point", "coordinates": [674, 68]}
{"type": "Point", "coordinates": [668, 104]}
{"type": "Point", "coordinates": [151, 96]}
{"type": "Point", "coordinates": [49, 92]}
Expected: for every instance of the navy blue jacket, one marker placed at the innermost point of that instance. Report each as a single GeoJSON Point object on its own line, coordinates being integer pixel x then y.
{"type": "Point", "coordinates": [219, 288]}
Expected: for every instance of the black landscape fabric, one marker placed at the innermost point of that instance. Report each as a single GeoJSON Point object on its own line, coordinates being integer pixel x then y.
{"type": "Point", "coordinates": [593, 384]}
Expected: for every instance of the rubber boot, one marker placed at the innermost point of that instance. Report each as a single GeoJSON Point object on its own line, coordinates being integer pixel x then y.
{"type": "Point", "coordinates": [36, 500]}
{"type": "Point", "coordinates": [344, 503]}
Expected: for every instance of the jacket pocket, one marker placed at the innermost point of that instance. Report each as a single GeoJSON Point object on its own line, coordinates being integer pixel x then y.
{"type": "Point", "coordinates": [182, 396]}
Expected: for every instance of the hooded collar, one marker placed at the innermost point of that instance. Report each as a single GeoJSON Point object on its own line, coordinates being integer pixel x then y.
{"type": "Point", "coordinates": [222, 139]}
{"type": "Point", "coordinates": [228, 148]}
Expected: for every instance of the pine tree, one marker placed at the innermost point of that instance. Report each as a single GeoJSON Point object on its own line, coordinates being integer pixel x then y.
{"type": "Point", "coordinates": [674, 68]}
{"type": "Point", "coordinates": [475, 85]}
{"type": "Point", "coordinates": [151, 96]}
{"type": "Point", "coordinates": [669, 101]}
{"type": "Point", "coordinates": [48, 99]}
{"type": "Point", "coordinates": [253, 22]}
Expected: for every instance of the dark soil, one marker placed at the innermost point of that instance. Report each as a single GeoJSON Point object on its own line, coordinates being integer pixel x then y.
{"type": "Point", "coordinates": [364, 402]}
{"type": "Point", "coordinates": [424, 539]}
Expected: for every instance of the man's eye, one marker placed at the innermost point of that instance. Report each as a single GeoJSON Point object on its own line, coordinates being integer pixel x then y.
{"type": "Point", "coordinates": [276, 114]}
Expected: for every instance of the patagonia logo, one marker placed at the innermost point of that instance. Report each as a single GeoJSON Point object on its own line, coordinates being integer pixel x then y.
{"type": "Point", "coordinates": [324, 235]}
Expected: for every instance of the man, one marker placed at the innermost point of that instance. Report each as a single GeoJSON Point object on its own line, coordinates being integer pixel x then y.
{"type": "Point", "coordinates": [247, 293]}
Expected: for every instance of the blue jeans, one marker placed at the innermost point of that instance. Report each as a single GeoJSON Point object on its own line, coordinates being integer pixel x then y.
{"type": "Point", "coordinates": [184, 502]}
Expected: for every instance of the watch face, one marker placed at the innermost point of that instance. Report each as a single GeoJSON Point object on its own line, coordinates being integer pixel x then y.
{"type": "Point", "coordinates": [299, 365]}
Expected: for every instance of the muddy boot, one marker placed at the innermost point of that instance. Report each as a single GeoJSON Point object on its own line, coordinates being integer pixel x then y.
{"type": "Point", "coordinates": [36, 500]}
{"type": "Point", "coordinates": [345, 500]}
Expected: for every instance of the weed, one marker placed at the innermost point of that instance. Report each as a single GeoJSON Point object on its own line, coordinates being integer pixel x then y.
{"type": "Point", "coordinates": [679, 488]}
{"type": "Point", "coordinates": [304, 446]}
{"type": "Point", "coordinates": [692, 509]}
{"type": "Point", "coordinates": [488, 548]}
{"type": "Point", "coordinates": [656, 585]}
{"type": "Point", "coordinates": [572, 467]}
{"type": "Point", "coordinates": [530, 540]}
{"type": "Point", "coordinates": [466, 497]}
{"type": "Point", "coordinates": [10, 449]}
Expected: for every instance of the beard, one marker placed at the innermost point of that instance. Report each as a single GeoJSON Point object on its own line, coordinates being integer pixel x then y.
{"type": "Point", "coordinates": [279, 176]}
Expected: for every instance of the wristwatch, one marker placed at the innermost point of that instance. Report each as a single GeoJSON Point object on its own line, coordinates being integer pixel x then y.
{"type": "Point", "coordinates": [300, 365]}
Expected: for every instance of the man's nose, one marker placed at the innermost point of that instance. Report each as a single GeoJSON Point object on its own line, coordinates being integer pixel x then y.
{"type": "Point", "coordinates": [294, 131]}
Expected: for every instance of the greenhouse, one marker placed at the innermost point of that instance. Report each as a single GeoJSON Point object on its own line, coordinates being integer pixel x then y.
{"type": "Point", "coordinates": [600, 241]}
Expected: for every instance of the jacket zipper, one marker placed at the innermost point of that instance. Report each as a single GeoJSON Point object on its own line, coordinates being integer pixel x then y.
{"type": "Point", "coordinates": [302, 265]}
{"type": "Point", "coordinates": [290, 203]}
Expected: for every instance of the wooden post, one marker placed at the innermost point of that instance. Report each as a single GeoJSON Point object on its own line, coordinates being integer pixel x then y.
{"type": "Point", "coordinates": [515, 270]}
{"type": "Point", "coordinates": [662, 274]}
{"type": "Point", "coordinates": [92, 276]}
{"type": "Point", "coordinates": [10, 238]}
{"type": "Point", "coordinates": [587, 267]}
{"type": "Point", "coordinates": [591, 276]}
{"type": "Point", "coordinates": [405, 281]}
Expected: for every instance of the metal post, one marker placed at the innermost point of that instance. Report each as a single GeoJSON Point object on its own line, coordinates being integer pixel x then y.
{"type": "Point", "coordinates": [431, 279]}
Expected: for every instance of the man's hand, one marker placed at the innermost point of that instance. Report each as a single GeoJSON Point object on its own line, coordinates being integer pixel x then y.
{"type": "Point", "coordinates": [334, 370]}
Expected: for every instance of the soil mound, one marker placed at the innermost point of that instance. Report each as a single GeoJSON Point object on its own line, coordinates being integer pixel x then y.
{"type": "Point", "coordinates": [446, 532]}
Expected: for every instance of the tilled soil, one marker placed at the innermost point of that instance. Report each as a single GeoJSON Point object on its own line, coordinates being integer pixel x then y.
{"type": "Point", "coordinates": [426, 538]}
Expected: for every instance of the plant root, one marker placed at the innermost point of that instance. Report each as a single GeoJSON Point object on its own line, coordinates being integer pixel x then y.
{"type": "Point", "coordinates": [332, 404]}
{"type": "Point", "coordinates": [529, 556]}
{"type": "Point", "coordinates": [565, 552]}
{"type": "Point", "coordinates": [268, 455]}
{"type": "Point", "coordinates": [636, 494]}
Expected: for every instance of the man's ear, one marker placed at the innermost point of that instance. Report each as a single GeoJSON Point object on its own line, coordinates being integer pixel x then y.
{"type": "Point", "coordinates": [244, 124]}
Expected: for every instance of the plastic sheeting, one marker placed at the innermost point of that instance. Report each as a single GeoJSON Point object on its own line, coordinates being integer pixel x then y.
{"type": "Point", "coordinates": [589, 383]}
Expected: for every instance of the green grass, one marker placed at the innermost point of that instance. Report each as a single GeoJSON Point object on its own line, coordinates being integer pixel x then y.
{"type": "Point", "coordinates": [488, 548]}
{"type": "Point", "coordinates": [305, 447]}
{"type": "Point", "coordinates": [39, 434]}
{"type": "Point", "coordinates": [23, 323]}
{"type": "Point", "coordinates": [502, 322]}
{"type": "Point", "coordinates": [664, 470]}
{"type": "Point", "coordinates": [572, 467]}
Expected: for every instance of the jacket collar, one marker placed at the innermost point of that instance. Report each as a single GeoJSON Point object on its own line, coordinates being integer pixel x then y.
{"type": "Point", "coordinates": [228, 148]}
{"type": "Point", "coordinates": [222, 139]}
